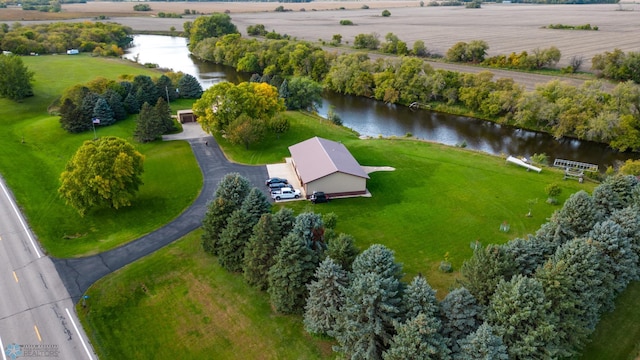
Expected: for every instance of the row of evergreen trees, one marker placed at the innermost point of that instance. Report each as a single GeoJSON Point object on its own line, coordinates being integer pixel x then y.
{"type": "Point", "coordinates": [102, 102]}
{"type": "Point", "coordinates": [539, 297]}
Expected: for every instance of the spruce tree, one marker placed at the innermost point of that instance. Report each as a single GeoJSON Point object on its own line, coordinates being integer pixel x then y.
{"type": "Point", "coordinates": [115, 103]}
{"type": "Point", "coordinates": [145, 90]}
{"type": "Point", "coordinates": [418, 339]}
{"type": "Point", "coordinates": [606, 199]}
{"type": "Point", "coordinates": [71, 118]}
{"type": "Point", "coordinates": [288, 277]}
{"type": "Point", "coordinates": [131, 104]}
{"type": "Point", "coordinates": [483, 344]}
{"type": "Point", "coordinates": [326, 298]}
{"type": "Point", "coordinates": [214, 221]}
{"type": "Point", "coordinates": [189, 87]}
{"type": "Point", "coordinates": [519, 313]}
{"type": "Point", "coordinates": [163, 112]}
{"type": "Point", "coordinates": [309, 227]}
{"type": "Point", "coordinates": [372, 305]}
{"type": "Point", "coordinates": [148, 125]}
{"type": "Point", "coordinates": [629, 221]}
{"type": "Point", "coordinates": [619, 256]}
{"type": "Point", "coordinates": [461, 316]}
{"type": "Point", "coordinates": [529, 254]}
{"type": "Point", "coordinates": [233, 240]}
{"type": "Point", "coordinates": [343, 250]}
{"type": "Point", "coordinates": [166, 88]}
{"type": "Point", "coordinates": [576, 284]}
{"type": "Point", "coordinates": [485, 269]}
{"type": "Point", "coordinates": [233, 187]}
{"type": "Point", "coordinates": [103, 112]}
{"type": "Point", "coordinates": [284, 220]}
{"type": "Point", "coordinates": [420, 298]}
{"type": "Point", "coordinates": [578, 215]}
{"type": "Point", "coordinates": [88, 105]}
{"type": "Point", "coordinates": [260, 252]}
{"type": "Point", "coordinates": [255, 205]}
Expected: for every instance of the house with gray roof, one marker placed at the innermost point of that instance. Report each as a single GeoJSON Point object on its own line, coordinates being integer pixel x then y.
{"type": "Point", "coordinates": [325, 165]}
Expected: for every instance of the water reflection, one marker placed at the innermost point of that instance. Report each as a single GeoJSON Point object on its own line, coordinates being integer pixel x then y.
{"type": "Point", "coordinates": [374, 118]}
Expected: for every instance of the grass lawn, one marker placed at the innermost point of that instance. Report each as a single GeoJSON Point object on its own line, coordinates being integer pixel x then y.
{"type": "Point", "coordinates": [35, 150]}
{"type": "Point", "coordinates": [439, 200]}
{"type": "Point", "coordinates": [178, 303]}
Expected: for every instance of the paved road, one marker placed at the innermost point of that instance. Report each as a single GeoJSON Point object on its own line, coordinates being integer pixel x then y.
{"type": "Point", "coordinates": [37, 316]}
{"type": "Point", "coordinates": [79, 273]}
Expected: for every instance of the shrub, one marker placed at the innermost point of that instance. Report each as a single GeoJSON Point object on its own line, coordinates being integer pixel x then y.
{"type": "Point", "coordinates": [364, 7]}
{"type": "Point", "coordinates": [386, 13]}
{"type": "Point", "coordinates": [280, 9]}
{"type": "Point", "coordinates": [141, 7]}
{"type": "Point", "coordinates": [541, 159]}
{"type": "Point", "coordinates": [473, 5]}
{"type": "Point", "coordinates": [366, 41]}
{"type": "Point", "coordinates": [346, 22]}
{"type": "Point", "coordinates": [256, 30]}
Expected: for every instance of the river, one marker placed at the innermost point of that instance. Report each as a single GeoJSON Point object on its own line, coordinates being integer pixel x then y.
{"type": "Point", "coordinates": [374, 118]}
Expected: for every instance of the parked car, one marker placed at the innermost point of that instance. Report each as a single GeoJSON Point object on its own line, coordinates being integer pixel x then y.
{"type": "Point", "coordinates": [285, 193]}
{"type": "Point", "coordinates": [275, 180]}
{"type": "Point", "coordinates": [279, 185]}
{"type": "Point", "coordinates": [318, 197]}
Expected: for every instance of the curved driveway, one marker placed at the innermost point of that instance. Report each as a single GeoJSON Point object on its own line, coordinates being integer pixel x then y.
{"type": "Point", "coordinates": [79, 273]}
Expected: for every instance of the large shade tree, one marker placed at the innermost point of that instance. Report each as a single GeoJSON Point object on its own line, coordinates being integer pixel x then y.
{"type": "Point", "coordinates": [15, 78]}
{"type": "Point", "coordinates": [103, 172]}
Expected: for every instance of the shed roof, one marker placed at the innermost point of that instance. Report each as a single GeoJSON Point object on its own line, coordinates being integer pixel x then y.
{"type": "Point", "coordinates": [316, 158]}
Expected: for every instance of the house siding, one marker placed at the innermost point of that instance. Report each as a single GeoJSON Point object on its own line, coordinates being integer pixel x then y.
{"type": "Point", "coordinates": [337, 184]}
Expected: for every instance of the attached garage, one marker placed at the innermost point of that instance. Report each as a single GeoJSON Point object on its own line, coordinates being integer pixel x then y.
{"type": "Point", "coordinates": [325, 165]}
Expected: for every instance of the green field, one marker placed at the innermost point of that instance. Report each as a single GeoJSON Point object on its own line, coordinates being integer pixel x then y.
{"type": "Point", "coordinates": [35, 150]}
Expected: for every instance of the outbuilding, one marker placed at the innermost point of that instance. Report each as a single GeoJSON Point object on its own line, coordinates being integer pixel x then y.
{"type": "Point", "coordinates": [185, 116]}
{"type": "Point", "coordinates": [325, 165]}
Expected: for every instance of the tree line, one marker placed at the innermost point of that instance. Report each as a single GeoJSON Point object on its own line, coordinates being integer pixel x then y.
{"type": "Point", "coordinates": [535, 297]}
{"type": "Point", "coordinates": [587, 112]}
{"type": "Point", "coordinates": [102, 102]}
{"type": "Point", "coordinates": [104, 39]}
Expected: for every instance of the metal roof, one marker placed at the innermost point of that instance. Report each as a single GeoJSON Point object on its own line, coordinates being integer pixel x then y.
{"type": "Point", "coordinates": [316, 158]}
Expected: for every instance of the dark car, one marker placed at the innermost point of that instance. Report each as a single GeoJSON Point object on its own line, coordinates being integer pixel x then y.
{"type": "Point", "coordinates": [275, 180]}
{"type": "Point", "coordinates": [278, 185]}
{"type": "Point", "coordinates": [318, 197]}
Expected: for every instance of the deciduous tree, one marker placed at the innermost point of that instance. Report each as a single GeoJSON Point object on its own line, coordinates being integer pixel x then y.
{"type": "Point", "coordinates": [103, 172]}
{"type": "Point", "coordinates": [15, 78]}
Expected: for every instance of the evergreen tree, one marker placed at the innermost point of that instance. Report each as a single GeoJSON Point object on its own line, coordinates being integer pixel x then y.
{"type": "Point", "coordinates": [255, 205]}
{"type": "Point", "coordinates": [519, 313]}
{"type": "Point", "coordinates": [103, 112]}
{"type": "Point", "coordinates": [233, 240]}
{"type": "Point", "coordinates": [619, 256]}
{"type": "Point", "coordinates": [576, 284]}
{"type": "Point", "coordinates": [372, 305]}
{"type": "Point", "coordinates": [229, 195]}
{"type": "Point", "coordinates": [343, 250]}
{"type": "Point", "coordinates": [623, 186]}
{"type": "Point", "coordinates": [255, 77]}
{"type": "Point", "coordinates": [166, 88]}
{"type": "Point", "coordinates": [418, 339]}
{"type": "Point", "coordinates": [606, 199]}
{"type": "Point", "coordinates": [260, 252]}
{"type": "Point", "coordinates": [163, 112]}
{"type": "Point", "coordinates": [578, 215]}
{"type": "Point", "coordinates": [310, 228]}
{"type": "Point", "coordinates": [71, 118]}
{"type": "Point", "coordinates": [283, 90]}
{"type": "Point", "coordinates": [115, 103]}
{"type": "Point", "coordinates": [131, 104]}
{"type": "Point", "coordinates": [461, 316]}
{"type": "Point", "coordinates": [214, 221]}
{"type": "Point", "coordinates": [145, 90]}
{"type": "Point", "coordinates": [483, 344]}
{"type": "Point", "coordinates": [189, 87]}
{"type": "Point", "coordinates": [629, 221]}
{"type": "Point", "coordinates": [420, 298]}
{"type": "Point", "coordinates": [529, 254]}
{"type": "Point", "coordinates": [326, 298]}
{"type": "Point", "coordinates": [283, 220]}
{"type": "Point", "coordinates": [148, 125]}
{"type": "Point", "coordinates": [485, 269]}
{"type": "Point", "coordinates": [88, 105]}
{"type": "Point", "coordinates": [293, 270]}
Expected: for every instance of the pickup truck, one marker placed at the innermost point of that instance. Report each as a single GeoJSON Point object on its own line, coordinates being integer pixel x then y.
{"type": "Point", "coordinates": [285, 193]}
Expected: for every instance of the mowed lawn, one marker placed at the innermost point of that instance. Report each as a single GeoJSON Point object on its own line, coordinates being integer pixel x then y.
{"type": "Point", "coordinates": [179, 304]}
{"type": "Point", "coordinates": [35, 150]}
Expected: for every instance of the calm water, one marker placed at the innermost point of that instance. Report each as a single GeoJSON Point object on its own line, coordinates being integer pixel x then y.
{"type": "Point", "coordinates": [374, 118]}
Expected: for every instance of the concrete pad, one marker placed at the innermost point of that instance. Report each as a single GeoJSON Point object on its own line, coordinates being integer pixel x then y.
{"type": "Point", "coordinates": [190, 130]}
{"type": "Point", "coordinates": [286, 171]}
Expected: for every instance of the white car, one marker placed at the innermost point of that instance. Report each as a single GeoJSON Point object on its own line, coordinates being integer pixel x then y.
{"type": "Point", "coordinates": [285, 193]}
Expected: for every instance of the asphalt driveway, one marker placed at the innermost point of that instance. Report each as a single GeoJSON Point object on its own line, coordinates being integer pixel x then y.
{"type": "Point", "coordinates": [79, 273]}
